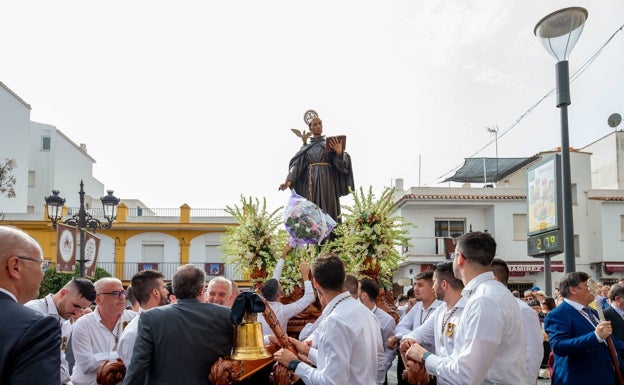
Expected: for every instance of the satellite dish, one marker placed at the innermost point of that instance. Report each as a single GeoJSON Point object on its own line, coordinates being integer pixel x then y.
{"type": "Point", "coordinates": [614, 120]}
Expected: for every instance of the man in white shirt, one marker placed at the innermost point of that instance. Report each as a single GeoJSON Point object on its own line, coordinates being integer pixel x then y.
{"type": "Point", "coordinates": [272, 291]}
{"type": "Point", "coordinates": [440, 329]}
{"type": "Point", "coordinates": [534, 337]}
{"type": "Point", "coordinates": [419, 313]}
{"type": "Point", "coordinates": [368, 292]}
{"type": "Point", "coordinates": [96, 335]}
{"type": "Point", "coordinates": [349, 341]}
{"type": "Point", "coordinates": [71, 300]}
{"type": "Point", "coordinates": [149, 290]}
{"type": "Point", "coordinates": [489, 341]}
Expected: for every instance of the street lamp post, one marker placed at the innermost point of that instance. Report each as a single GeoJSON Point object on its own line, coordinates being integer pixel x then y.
{"type": "Point", "coordinates": [559, 32]}
{"type": "Point", "coordinates": [83, 220]}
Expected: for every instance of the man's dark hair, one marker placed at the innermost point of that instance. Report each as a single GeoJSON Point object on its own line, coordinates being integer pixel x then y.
{"type": "Point", "coordinates": [500, 270]}
{"type": "Point", "coordinates": [444, 272]}
{"type": "Point", "coordinates": [143, 283]}
{"type": "Point", "coordinates": [549, 302]}
{"type": "Point", "coordinates": [169, 289]}
{"type": "Point", "coordinates": [478, 247]}
{"type": "Point", "coordinates": [84, 287]}
{"type": "Point", "coordinates": [410, 293]}
{"type": "Point", "coordinates": [188, 281]}
{"type": "Point", "coordinates": [370, 287]}
{"type": "Point", "coordinates": [328, 270]}
{"type": "Point", "coordinates": [270, 289]}
{"type": "Point", "coordinates": [572, 279]}
{"type": "Point", "coordinates": [425, 275]}
{"type": "Point", "coordinates": [617, 290]}
{"type": "Point", "coordinates": [130, 296]}
{"type": "Point", "coordinates": [351, 284]}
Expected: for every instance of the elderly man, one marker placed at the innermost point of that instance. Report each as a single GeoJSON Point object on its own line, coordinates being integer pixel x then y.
{"type": "Point", "coordinates": [220, 292]}
{"type": "Point", "coordinates": [70, 301]}
{"type": "Point", "coordinates": [178, 343]}
{"type": "Point", "coordinates": [96, 335]}
{"type": "Point", "coordinates": [29, 341]}
{"type": "Point", "coordinates": [150, 292]}
{"type": "Point", "coordinates": [577, 338]}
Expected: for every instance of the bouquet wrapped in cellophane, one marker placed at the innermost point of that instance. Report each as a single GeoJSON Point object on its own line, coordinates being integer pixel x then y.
{"type": "Point", "coordinates": [306, 222]}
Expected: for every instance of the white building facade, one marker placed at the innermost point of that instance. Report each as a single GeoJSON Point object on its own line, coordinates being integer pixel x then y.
{"type": "Point", "coordinates": [443, 213]}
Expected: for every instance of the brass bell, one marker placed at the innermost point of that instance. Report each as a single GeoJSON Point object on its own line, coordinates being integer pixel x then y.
{"type": "Point", "coordinates": [249, 340]}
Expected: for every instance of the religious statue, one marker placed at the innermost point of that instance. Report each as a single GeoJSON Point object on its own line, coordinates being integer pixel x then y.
{"type": "Point", "coordinates": [321, 170]}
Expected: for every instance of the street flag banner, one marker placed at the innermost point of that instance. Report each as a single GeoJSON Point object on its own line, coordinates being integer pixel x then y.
{"type": "Point", "coordinates": [91, 250]}
{"type": "Point", "coordinates": [66, 248]}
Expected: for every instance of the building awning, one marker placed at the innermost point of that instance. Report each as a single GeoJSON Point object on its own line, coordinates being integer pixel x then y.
{"type": "Point", "coordinates": [528, 267]}
{"type": "Point", "coordinates": [614, 267]}
{"type": "Point", "coordinates": [482, 170]}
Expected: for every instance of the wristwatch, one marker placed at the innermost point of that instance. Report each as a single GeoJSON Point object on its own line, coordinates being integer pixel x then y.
{"type": "Point", "coordinates": [424, 356]}
{"type": "Point", "coordinates": [292, 365]}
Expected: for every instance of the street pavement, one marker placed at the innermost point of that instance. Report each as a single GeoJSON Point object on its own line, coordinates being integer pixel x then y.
{"type": "Point", "coordinates": [392, 376]}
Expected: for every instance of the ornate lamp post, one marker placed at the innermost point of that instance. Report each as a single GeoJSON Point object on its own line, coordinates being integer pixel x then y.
{"type": "Point", "coordinates": [82, 219]}
{"type": "Point", "coordinates": [559, 32]}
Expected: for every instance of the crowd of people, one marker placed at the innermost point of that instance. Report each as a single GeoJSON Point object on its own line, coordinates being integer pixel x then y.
{"type": "Point", "coordinates": [458, 324]}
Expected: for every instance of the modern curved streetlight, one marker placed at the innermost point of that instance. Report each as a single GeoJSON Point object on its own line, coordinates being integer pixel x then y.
{"type": "Point", "coordinates": [559, 32]}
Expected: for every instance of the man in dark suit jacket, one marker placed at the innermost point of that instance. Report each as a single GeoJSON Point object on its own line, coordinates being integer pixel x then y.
{"type": "Point", "coordinates": [577, 337]}
{"type": "Point", "coordinates": [615, 313]}
{"type": "Point", "coordinates": [29, 341]}
{"type": "Point", "coordinates": [178, 343]}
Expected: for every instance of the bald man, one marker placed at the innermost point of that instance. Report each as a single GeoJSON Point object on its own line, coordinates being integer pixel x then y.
{"type": "Point", "coordinates": [29, 341]}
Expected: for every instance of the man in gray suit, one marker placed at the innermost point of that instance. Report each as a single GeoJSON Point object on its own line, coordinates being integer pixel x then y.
{"type": "Point", "coordinates": [178, 343]}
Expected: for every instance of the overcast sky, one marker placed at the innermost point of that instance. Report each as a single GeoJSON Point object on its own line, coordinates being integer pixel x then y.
{"type": "Point", "coordinates": [193, 101]}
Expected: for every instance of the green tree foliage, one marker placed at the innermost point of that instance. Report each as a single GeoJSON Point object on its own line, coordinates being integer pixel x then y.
{"type": "Point", "coordinates": [53, 281]}
{"type": "Point", "coordinates": [7, 179]}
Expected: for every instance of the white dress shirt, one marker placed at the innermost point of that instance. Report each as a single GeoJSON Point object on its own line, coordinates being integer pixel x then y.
{"type": "Point", "coordinates": [387, 325]}
{"type": "Point", "coordinates": [349, 344]}
{"type": "Point", "coordinates": [416, 317]}
{"type": "Point", "coordinates": [440, 330]}
{"type": "Point", "coordinates": [93, 344]}
{"type": "Point", "coordinates": [534, 341]}
{"type": "Point", "coordinates": [127, 340]}
{"type": "Point", "coordinates": [489, 341]}
{"type": "Point", "coordinates": [46, 306]}
{"type": "Point", "coordinates": [285, 312]}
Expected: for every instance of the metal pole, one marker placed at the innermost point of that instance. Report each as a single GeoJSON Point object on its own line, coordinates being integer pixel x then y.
{"type": "Point", "coordinates": [82, 225]}
{"type": "Point", "coordinates": [547, 276]}
{"type": "Point", "coordinates": [563, 100]}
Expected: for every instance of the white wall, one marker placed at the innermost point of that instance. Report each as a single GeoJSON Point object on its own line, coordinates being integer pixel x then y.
{"type": "Point", "coordinates": [14, 134]}
{"type": "Point", "coordinates": [134, 247]}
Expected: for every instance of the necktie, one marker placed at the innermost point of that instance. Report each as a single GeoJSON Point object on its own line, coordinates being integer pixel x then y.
{"type": "Point", "coordinates": [590, 315]}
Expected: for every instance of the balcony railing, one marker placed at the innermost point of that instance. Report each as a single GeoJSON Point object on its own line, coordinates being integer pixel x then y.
{"type": "Point", "coordinates": [429, 246]}
{"type": "Point", "coordinates": [157, 212]}
{"type": "Point", "coordinates": [167, 268]}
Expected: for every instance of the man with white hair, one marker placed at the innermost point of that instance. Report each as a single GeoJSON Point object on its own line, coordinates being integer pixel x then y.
{"type": "Point", "coordinates": [220, 292]}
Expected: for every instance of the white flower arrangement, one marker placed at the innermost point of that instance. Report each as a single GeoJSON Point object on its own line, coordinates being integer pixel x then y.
{"type": "Point", "coordinates": [369, 237]}
{"type": "Point", "coordinates": [256, 241]}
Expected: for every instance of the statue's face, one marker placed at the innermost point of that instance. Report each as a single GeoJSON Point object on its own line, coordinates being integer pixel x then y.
{"type": "Point", "coordinates": [316, 127]}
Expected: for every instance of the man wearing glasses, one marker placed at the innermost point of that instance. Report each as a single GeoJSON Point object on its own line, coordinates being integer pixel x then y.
{"type": "Point", "coordinates": [29, 341]}
{"type": "Point", "coordinates": [76, 295]}
{"type": "Point", "coordinates": [96, 335]}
